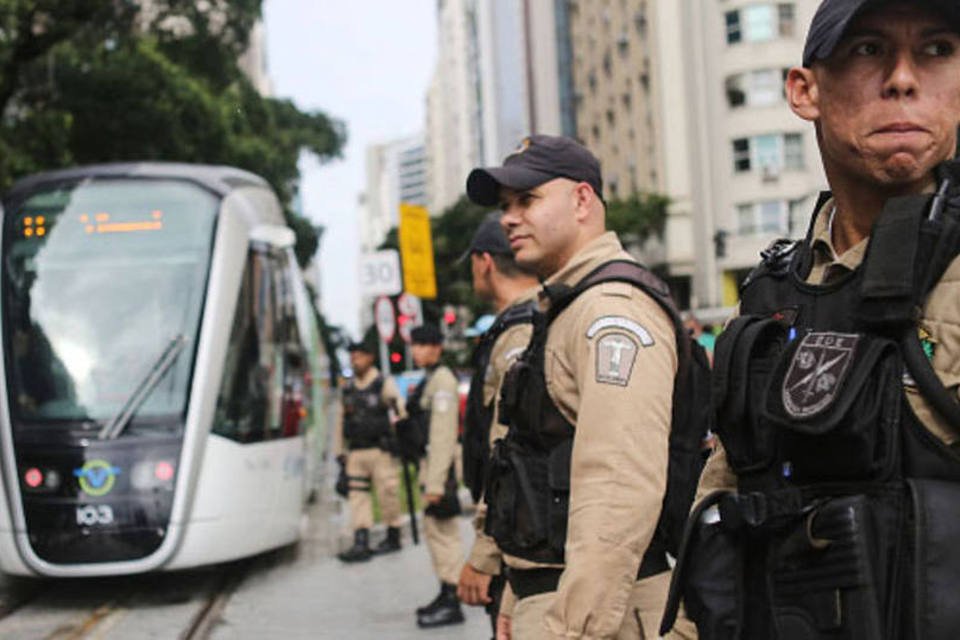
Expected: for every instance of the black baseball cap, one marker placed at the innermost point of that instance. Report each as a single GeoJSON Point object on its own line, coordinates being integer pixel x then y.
{"type": "Point", "coordinates": [426, 334]}
{"type": "Point", "coordinates": [538, 159]}
{"type": "Point", "coordinates": [488, 238]}
{"type": "Point", "coordinates": [834, 17]}
{"type": "Point", "coordinates": [361, 346]}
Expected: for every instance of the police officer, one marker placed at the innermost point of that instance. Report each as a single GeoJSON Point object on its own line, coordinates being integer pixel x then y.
{"type": "Point", "coordinates": [594, 408]}
{"type": "Point", "coordinates": [438, 403]}
{"type": "Point", "coordinates": [837, 406]}
{"type": "Point", "coordinates": [363, 441]}
{"type": "Point", "coordinates": [498, 280]}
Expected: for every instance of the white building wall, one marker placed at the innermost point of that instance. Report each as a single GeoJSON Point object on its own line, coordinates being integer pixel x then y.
{"type": "Point", "coordinates": [698, 127]}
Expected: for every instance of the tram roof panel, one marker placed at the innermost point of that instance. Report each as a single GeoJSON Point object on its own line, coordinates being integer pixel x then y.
{"type": "Point", "coordinates": [220, 179]}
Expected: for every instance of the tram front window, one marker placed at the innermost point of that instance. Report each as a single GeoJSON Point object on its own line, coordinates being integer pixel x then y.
{"type": "Point", "coordinates": [99, 277]}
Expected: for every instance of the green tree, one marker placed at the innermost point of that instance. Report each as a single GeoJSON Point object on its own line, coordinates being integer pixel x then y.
{"type": "Point", "coordinates": [639, 217]}
{"type": "Point", "coordinates": [100, 80]}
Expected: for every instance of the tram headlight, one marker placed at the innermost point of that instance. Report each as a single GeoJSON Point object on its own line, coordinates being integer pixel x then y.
{"type": "Point", "coordinates": [152, 474]}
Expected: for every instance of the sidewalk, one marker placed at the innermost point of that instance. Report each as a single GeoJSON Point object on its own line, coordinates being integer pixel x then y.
{"type": "Point", "coordinates": [313, 595]}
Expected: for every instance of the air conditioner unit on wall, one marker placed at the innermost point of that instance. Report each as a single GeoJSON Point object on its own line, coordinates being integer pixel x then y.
{"type": "Point", "coordinates": [770, 173]}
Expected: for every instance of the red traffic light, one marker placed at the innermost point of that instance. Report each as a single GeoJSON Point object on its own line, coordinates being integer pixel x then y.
{"type": "Point", "coordinates": [395, 358]}
{"type": "Point", "coordinates": [449, 317]}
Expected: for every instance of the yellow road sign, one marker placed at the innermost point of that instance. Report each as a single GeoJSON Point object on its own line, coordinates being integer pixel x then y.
{"type": "Point", "coordinates": [416, 251]}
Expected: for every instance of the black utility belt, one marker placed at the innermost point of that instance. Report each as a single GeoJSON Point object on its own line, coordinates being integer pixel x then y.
{"type": "Point", "coordinates": [531, 582]}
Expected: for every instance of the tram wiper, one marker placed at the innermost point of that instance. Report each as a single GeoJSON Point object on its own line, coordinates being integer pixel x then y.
{"type": "Point", "coordinates": [142, 391]}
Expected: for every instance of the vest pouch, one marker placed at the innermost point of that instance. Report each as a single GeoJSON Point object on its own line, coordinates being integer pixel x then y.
{"type": "Point", "coordinates": [834, 572]}
{"type": "Point", "coordinates": [708, 575]}
{"type": "Point", "coordinates": [746, 354]}
{"type": "Point", "coordinates": [836, 399]}
{"type": "Point", "coordinates": [518, 507]}
{"type": "Point", "coordinates": [933, 561]}
{"type": "Point", "coordinates": [558, 480]}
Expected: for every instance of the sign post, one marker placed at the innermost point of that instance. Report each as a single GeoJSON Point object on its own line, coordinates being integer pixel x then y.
{"type": "Point", "coordinates": [411, 315]}
{"type": "Point", "coordinates": [385, 319]}
{"type": "Point", "coordinates": [416, 249]}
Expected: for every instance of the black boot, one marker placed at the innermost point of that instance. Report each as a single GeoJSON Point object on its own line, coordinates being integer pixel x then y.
{"type": "Point", "coordinates": [360, 551]}
{"type": "Point", "coordinates": [389, 544]}
{"type": "Point", "coordinates": [448, 611]}
{"type": "Point", "coordinates": [433, 603]}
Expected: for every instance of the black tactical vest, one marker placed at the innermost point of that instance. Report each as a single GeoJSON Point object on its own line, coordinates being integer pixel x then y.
{"type": "Point", "coordinates": [528, 485]}
{"type": "Point", "coordinates": [366, 422]}
{"type": "Point", "coordinates": [413, 432]}
{"type": "Point", "coordinates": [479, 415]}
{"type": "Point", "coordinates": [846, 521]}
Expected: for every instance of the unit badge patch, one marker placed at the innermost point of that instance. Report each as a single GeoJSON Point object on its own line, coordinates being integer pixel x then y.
{"type": "Point", "coordinates": [816, 372]}
{"type": "Point", "coordinates": [616, 353]}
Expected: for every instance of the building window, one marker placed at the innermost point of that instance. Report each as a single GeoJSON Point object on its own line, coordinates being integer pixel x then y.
{"type": "Point", "coordinates": [734, 34]}
{"type": "Point", "coordinates": [793, 151]}
{"type": "Point", "coordinates": [787, 19]}
{"type": "Point", "coordinates": [761, 23]}
{"type": "Point", "coordinates": [767, 217]}
{"type": "Point", "coordinates": [741, 155]}
{"type": "Point", "coordinates": [769, 153]}
{"type": "Point", "coordinates": [736, 91]}
{"type": "Point", "coordinates": [761, 88]}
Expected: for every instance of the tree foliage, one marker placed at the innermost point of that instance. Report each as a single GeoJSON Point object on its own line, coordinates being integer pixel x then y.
{"type": "Point", "coordinates": [639, 217]}
{"type": "Point", "coordinates": [105, 80]}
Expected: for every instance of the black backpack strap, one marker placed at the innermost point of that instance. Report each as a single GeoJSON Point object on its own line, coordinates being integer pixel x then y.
{"type": "Point", "coordinates": [637, 275]}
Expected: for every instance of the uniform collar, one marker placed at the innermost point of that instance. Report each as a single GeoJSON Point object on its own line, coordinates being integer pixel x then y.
{"type": "Point", "coordinates": [367, 379]}
{"type": "Point", "coordinates": [826, 262]}
{"type": "Point", "coordinates": [599, 250]}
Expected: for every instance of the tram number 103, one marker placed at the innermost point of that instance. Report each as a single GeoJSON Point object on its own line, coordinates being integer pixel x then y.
{"type": "Point", "coordinates": [89, 515]}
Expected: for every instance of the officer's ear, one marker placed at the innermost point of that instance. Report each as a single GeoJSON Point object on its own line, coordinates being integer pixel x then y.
{"type": "Point", "coordinates": [584, 199]}
{"type": "Point", "coordinates": [803, 93]}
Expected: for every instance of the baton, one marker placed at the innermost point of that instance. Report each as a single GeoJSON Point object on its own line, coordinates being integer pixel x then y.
{"type": "Point", "coordinates": [408, 485]}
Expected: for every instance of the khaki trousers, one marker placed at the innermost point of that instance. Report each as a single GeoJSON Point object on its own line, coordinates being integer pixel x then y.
{"type": "Point", "coordinates": [379, 467]}
{"type": "Point", "coordinates": [642, 620]}
{"type": "Point", "coordinates": [446, 550]}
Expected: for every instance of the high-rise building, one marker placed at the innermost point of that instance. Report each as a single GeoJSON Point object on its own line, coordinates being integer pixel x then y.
{"type": "Point", "coordinates": [741, 168]}
{"type": "Point", "coordinates": [498, 78]}
{"type": "Point", "coordinates": [614, 93]}
{"type": "Point", "coordinates": [454, 139]}
{"type": "Point", "coordinates": [396, 173]}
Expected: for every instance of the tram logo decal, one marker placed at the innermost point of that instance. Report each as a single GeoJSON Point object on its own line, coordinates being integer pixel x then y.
{"type": "Point", "coordinates": [96, 477]}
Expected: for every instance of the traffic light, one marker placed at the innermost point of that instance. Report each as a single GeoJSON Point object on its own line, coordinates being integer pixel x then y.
{"type": "Point", "coordinates": [395, 357]}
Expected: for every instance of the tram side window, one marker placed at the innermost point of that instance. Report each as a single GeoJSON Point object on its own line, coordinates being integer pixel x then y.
{"type": "Point", "coordinates": [259, 391]}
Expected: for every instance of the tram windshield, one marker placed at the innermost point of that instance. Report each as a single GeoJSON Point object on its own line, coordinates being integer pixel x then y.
{"type": "Point", "coordinates": [99, 276]}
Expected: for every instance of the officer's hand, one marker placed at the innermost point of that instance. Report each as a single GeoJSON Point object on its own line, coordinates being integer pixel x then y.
{"type": "Point", "coordinates": [474, 586]}
{"type": "Point", "coordinates": [503, 627]}
{"type": "Point", "coordinates": [432, 498]}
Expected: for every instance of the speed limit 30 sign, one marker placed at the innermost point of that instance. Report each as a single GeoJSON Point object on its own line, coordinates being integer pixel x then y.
{"type": "Point", "coordinates": [380, 273]}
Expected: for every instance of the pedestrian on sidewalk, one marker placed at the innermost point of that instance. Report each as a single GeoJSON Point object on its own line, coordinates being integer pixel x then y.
{"type": "Point", "coordinates": [364, 444]}
{"type": "Point", "coordinates": [434, 410]}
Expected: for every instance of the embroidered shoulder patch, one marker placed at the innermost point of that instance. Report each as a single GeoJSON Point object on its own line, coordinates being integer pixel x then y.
{"type": "Point", "coordinates": [616, 354]}
{"type": "Point", "coordinates": [816, 372]}
{"type": "Point", "coordinates": [625, 324]}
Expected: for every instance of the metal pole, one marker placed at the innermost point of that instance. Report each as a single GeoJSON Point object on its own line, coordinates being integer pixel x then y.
{"type": "Point", "coordinates": [384, 358]}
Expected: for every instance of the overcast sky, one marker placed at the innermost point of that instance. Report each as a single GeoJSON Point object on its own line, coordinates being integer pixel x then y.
{"type": "Point", "coordinates": [367, 62]}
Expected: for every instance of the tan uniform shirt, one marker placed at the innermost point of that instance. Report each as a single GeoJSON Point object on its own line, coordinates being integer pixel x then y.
{"type": "Point", "coordinates": [610, 363]}
{"type": "Point", "coordinates": [441, 400]}
{"type": "Point", "coordinates": [485, 556]}
{"type": "Point", "coordinates": [940, 321]}
{"type": "Point", "coordinates": [390, 396]}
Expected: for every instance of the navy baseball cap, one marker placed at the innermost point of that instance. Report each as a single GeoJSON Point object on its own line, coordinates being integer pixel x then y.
{"type": "Point", "coordinates": [537, 160]}
{"type": "Point", "coordinates": [426, 334]}
{"type": "Point", "coordinates": [361, 346]}
{"type": "Point", "coordinates": [488, 238]}
{"type": "Point", "coordinates": [834, 17]}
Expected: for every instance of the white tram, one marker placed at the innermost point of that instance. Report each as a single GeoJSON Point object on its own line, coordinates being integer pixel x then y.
{"type": "Point", "coordinates": [164, 380]}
